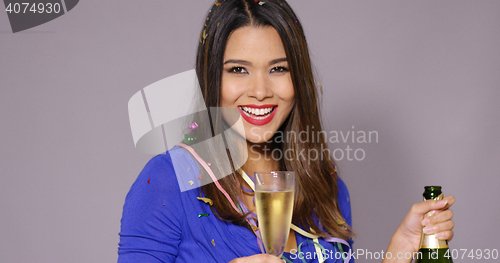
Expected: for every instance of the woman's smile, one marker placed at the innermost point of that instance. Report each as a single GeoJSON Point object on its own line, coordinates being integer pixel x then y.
{"type": "Point", "coordinates": [258, 114]}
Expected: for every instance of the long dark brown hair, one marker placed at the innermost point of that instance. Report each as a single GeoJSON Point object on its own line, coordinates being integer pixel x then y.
{"type": "Point", "coordinates": [316, 180]}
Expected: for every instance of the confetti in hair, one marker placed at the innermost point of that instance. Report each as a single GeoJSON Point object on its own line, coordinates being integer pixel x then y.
{"type": "Point", "coordinates": [193, 126]}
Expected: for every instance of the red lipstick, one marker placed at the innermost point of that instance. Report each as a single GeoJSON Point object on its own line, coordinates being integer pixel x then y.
{"type": "Point", "coordinates": [248, 113]}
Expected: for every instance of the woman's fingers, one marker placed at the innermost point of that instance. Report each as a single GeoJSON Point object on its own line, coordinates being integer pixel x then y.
{"type": "Point", "coordinates": [445, 235]}
{"type": "Point", "coordinates": [439, 220]}
{"type": "Point", "coordinates": [436, 228]}
{"type": "Point", "coordinates": [424, 207]}
{"type": "Point", "coordinates": [450, 200]}
{"type": "Point", "coordinates": [436, 217]}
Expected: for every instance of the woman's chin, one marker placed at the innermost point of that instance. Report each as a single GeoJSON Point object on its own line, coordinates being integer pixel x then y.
{"type": "Point", "coordinates": [257, 139]}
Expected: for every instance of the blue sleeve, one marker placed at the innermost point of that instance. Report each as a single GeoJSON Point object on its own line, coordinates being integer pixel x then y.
{"type": "Point", "coordinates": [345, 208]}
{"type": "Point", "coordinates": [152, 215]}
{"type": "Point", "coordinates": [344, 201]}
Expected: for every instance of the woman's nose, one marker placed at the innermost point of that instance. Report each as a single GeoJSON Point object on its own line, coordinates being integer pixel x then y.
{"type": "Point", "coordinates": [260, 87]}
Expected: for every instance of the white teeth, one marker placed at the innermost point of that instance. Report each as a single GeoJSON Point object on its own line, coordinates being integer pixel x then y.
{"type": "Point", "coordinates": [257, 112]}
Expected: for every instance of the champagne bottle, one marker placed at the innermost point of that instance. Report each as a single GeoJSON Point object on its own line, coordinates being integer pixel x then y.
{"type": "Point", "coordinates": [433, 250]}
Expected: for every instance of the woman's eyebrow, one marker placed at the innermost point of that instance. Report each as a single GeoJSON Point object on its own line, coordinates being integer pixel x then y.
{"type": "Point", "coordinates": [278, 60]}
{"type": "Point", "coordinates": [244, 62]}
{"type": "Point", "coordinates": [238, 61]}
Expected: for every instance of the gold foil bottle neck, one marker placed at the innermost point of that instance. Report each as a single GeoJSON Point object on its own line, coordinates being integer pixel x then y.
{"type": "Point", "coordinates": [431, 241]}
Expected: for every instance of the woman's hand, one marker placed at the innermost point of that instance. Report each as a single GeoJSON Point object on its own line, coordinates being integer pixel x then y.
{"type": "Point", "coordinates": [407, 236]}
{"type": "Point", "coordinates": [258, 259]}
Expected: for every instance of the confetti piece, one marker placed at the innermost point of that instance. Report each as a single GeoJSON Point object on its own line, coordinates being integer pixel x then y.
{"type": "Point", "coordinates": [189, 169]}
{"type": "Point", "coordinates": [186, 138]}
{"type": "Point", "coordinates": [213, 242]}
{"type": "Point", "coordinates": [209, 164]}
{"type": "Point", "coordinates": [194, 125]}
{"type": "Point", "coordinates": [191, 182]}
{"type": "Point", "coordinates": [340, 222]}
{"type": "Point", "coordinates": [163, 204]}
{"type": "Point", "coordinates": [206, 200]}
{"type": "Point", "coordinates": [218, 24]}
{"type": "Point", "coordinates": [200, 215]}
{"type": "Point", "coordinates": [261, 3]}
{"type": "Point", "coordinates": [217, 3]}
{"type": "Point", "coordinates": [199, 176]}
{"type": "Point", "coordinates": [148, 180]}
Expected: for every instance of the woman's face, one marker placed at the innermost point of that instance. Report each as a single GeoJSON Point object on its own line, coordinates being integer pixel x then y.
{"type": "Point", "coordinates": [256, 81]}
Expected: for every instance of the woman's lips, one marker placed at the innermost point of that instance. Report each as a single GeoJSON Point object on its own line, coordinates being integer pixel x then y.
{"type": "Point", "coordinates": [258, 114]}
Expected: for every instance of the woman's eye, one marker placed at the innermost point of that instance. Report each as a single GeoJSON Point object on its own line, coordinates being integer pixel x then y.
{"type": "Point", "coordinates": [279, 70]}
{"type": "Point", "coordinates": [237, 70]}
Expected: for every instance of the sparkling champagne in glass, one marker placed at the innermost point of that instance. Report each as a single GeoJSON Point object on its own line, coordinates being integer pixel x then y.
{"type": "Point", "coordinates": [274, 193]}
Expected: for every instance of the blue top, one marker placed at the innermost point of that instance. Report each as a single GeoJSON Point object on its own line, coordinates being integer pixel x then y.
{"type": "Point", "coordinates": [161, 223]}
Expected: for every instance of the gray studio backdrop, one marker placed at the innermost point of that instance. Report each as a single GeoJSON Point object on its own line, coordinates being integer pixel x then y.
{"type": "Point", "coordinates": [423, 74]}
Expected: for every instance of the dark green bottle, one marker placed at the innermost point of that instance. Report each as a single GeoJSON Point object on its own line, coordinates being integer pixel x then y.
{"type": "Point", "coordinates": [433, 250]}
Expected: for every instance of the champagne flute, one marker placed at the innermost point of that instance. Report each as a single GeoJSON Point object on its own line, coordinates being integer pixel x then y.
{"type": "Point", "coordinates": [274, 193]}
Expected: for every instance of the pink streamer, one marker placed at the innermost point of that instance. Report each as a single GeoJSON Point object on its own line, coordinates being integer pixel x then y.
{"type": "Point", "coordinates": [205, 165]}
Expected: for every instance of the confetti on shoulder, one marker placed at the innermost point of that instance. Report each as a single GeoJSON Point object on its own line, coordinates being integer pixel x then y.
{"type": "Point", "coordinates": [148, 180]}
{"type": "Point", "coordinates": [189, 169]}
{"type": "Point", "coordinates": [206, 200]}
{"type": "Point", "coordinates": [201, 215]}
{"type": "Point", "coordinates": [213, 242]}
{"type": "Point", "coordinates": [191, 182]}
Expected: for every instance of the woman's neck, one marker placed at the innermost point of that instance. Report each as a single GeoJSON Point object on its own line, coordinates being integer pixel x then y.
{"type": "Point", "coordinates": [260, 158]}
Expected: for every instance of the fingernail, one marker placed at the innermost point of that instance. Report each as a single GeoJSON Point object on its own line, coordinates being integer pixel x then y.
{"type": "Point", "coordinates": [440, 235]}
{"type": "Point", "coordinates": [442, 202]}
{"type": "Point", "coordinates": [431, 213]}
{"type": "Point", "coordinates": [427, 229]}
{"type": "Point", "coordinates": [426, 221]}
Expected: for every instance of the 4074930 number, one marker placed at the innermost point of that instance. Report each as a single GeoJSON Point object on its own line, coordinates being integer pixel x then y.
{"type": "Point", "coordinates": [472, 253]}
{"type": "Point", "coordinates": [23, 8]}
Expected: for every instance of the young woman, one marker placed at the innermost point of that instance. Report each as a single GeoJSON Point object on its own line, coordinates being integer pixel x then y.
{"type": "Point", "coordinates": [253, 58]}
